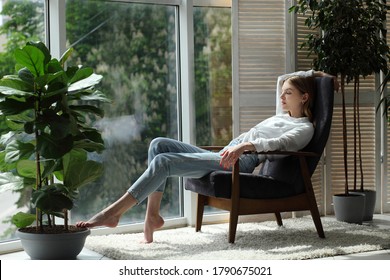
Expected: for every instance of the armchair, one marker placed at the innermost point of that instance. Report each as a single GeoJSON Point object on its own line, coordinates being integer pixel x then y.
{"type": "Point", "coordinates": [283, 184]}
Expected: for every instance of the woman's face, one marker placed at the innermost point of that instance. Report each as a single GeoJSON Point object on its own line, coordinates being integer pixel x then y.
{"type": "Point", "coordinates": [292, 99]}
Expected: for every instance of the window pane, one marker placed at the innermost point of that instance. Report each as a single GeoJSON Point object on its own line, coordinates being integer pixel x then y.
{"type": "Point", "coordinates": [213, 75]}
{"type": "Point", "coordinates": [134, 47]}
{"type": "Point", "coordinates": [20, 22]}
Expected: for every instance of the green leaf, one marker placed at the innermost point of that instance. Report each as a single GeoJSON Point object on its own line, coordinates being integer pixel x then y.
{"type": "Point", "coordinates": [46, 81]}
{"type": "Point", "coordinates": [93, 96]}
{"type": "Point", "coordinates": [17, 122]}
{"type": "Point", "coordinates": [9, 181]}
{"type": "Point", "coordinates": [21, 219]}
{"type": "Point", "coordinates": [82, 73]}
{"type": "Point", "coordinates": [53, 94]}
{"type": "Point", "coordinates": [5, 166]}
{"type": "Point", "coordinates": [52, 199]}
{"type": "Point", "coordinates": [59, 124]}
{"type": "Point", "coordinates": [7, 137]}
{"type": "Point", "coordinates": [10, 90]}
{"type": "Point", "coordinates": [54, 66]}
{"type": "Point", "coordinates": [88, 145]}
{"type": "Point", "coordinates": [50, 166]}
{"type": "Point", "coordinates": [50, 147]}
{"type": "Point", "coordinates": [71, 71]}
{"type": "Point", "coordinates": [27, 168]}
{"type": "Point", "coordinates": [78, 173]}
{"type": "Point", "coordinates": [73, 157]}
{"type": "Point", "coordinates": [93, 135]}
{"type": "Point", "coordinates": [26, 76]}
{"type": "Point", "coordinates": [88, 109]}
{"type": "Point", "coordinates": [66, 55]}
{"type": "Point", "coordinates": [32, 58]}
{"type": "Point", "coordinates": [13, 81]}
{"type": "Point", "coordinates": [16, 126]}
{"type": "Point", "coordinates": [92, 80]}
{"type": "Point", "coordinates": [59, 175]}
{"type": "Point", "coordinates": [17, 150]}
{"type": "Point", "coordinates": [22, 118]}
{"type": "Point", "coordinates": [59, 79]}
{"type": "Point", "coordinates": [42, 47]}
{"type": "Point", "coordinates": [11, 106]}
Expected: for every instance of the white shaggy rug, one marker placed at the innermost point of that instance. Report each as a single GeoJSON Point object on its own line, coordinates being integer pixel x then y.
{"type": "Point", "coordinates": [297, 239]}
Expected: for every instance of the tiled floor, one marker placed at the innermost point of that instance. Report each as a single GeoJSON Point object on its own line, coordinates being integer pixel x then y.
{"type": "Point", "coordinates": [382, 221]}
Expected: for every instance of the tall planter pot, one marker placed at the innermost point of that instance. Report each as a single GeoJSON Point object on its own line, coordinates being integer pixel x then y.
{"type": "Point", "coordinates": [349, 208]}
{"type": "Point", "coordinates": [53, 246]}
{"type": "Point", "coordinates": [369, 207]}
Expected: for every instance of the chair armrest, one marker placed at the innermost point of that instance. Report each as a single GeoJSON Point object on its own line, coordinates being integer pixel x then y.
{"type": "Point", "coordinates": [212, 148]}
{"type": "Point", "coordinates": [287, 153]}
{"type": "Point", "coordinates": [302, 161]}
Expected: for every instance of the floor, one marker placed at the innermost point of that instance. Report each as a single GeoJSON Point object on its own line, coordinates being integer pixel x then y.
{"type": "Point", "coordinates": [382, 221]}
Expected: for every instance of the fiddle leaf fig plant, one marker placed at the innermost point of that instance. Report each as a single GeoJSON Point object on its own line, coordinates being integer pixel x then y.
{"type": "Point", "coordinates": [46, 109]}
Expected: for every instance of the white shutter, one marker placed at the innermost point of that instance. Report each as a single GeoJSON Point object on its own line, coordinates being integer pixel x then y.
{"type": "Point", "coordinates": [303, 61]}
{"type": "Point", "coordinates": [260, 38]}
{"type": "Point", "coordinates": [386, 177]}
{"type": "Point", "coordinates": [261, 43]}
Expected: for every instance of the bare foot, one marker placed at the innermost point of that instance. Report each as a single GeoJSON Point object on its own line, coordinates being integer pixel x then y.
{"type": "Point", "coordinates": [100, 219]}
{"type": "Point", "coordinates": [151, 224]}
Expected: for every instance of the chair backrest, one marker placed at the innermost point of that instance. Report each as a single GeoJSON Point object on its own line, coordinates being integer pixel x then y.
{"type": "Point", "coordinates": [287, 169]}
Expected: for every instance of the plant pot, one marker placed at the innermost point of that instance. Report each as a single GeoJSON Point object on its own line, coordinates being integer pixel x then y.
{"type": "Point", "coordinates": [53, 246]}
{"type": "Point", "coordinates": [369, 206]}
{"type": "Point", "coordinates": [349, 208]}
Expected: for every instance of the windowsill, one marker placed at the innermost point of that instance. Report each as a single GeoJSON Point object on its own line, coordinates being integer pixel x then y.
{"type": "Point", "coordinates": [15, 245]}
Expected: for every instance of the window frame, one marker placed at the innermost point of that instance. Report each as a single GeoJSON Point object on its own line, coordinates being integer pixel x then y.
{"type": "Point", "coordinates": [55, 18]}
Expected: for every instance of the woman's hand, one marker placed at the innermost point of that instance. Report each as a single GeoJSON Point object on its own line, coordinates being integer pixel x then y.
{"type": "Point", "coordinates": [231, 154]}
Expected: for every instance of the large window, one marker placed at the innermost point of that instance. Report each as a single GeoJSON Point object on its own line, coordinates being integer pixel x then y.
{"type": "Point", "coordinates": [134, 46]}
{"type": "Point", "coordinates": [213, 75]}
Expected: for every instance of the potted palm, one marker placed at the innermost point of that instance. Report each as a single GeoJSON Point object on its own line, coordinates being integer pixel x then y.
{"type": "Point", "coordinates": [349, 40]}
{"type": "Point", "coordinates": [46, 151]}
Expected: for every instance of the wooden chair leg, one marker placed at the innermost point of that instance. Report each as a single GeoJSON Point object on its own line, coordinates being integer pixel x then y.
{"type": "Point", "coordinates": [235, 202]}
{"type": "Point", "coordinates": [233, 220]}
{"type": "Point", "coordinates": [279, 218]}
{"type": "Point", "coordinates": [199, 212]}
{"type": "Point", "coordinates": [315, 214]}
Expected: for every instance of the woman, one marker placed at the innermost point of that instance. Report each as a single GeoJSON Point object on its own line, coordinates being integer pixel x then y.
{"type": "Point", "coordinates": [168, 157]}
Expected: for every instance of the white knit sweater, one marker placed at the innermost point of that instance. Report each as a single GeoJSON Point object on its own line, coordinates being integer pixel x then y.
{"type": "Point", "coordinates": [280, 132]}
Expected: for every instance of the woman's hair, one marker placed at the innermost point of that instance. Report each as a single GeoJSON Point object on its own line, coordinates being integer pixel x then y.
{"type": "Point", "coordinates": [305, 85]}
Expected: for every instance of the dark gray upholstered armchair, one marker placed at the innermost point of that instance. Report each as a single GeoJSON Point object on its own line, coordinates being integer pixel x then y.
{"type": "Point", "coordinates": [282, 185]}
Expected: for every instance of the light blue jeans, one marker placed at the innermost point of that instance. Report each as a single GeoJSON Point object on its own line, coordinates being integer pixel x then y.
{"type": "Point", "coordinates": [172, 158]}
